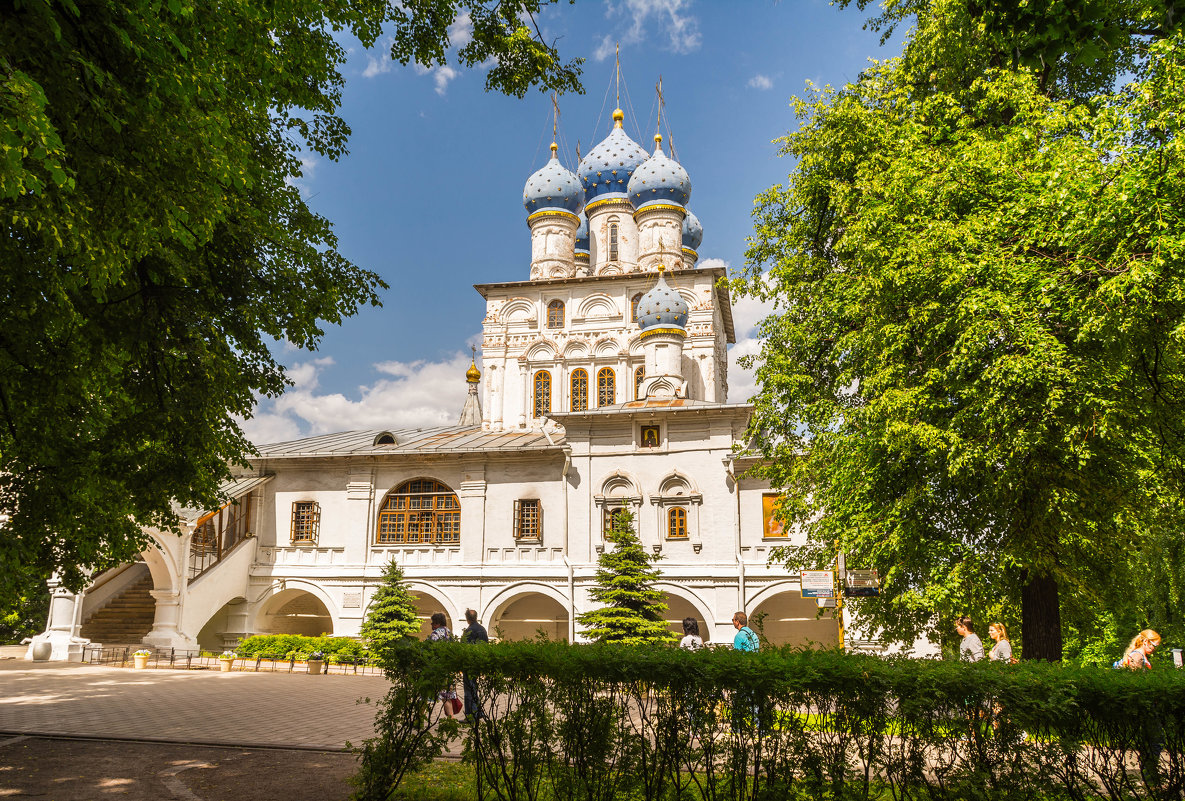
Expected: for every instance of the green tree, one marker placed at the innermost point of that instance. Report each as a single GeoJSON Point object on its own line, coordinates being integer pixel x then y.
{"type": "Point", "coordinates": [392, 614]}
{"type": "Point", "coordinates": [632, 614]}
{"type": "Point", "coordinates": [153, 243]}
{"type": "Point", "coordinates": [973, 378]}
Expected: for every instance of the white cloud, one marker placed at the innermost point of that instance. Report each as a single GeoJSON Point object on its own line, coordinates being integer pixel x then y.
{"type": "Point", "coordinates": [409, 395]}
{"type": "Point", "coordinates": [460, 33]}
{"type": "Point", "coordinates": [671, 18]}
{"type": "Point", "coordinates": [747, 313]}
{"type": "Point", "coordinates": [378, 58]}
{"type": "Point", "coordinates": [308, 165]}
{"type": "Point", "coordinates": [442, 75]}
{"type": "Point", "coordinates": [762, 82]}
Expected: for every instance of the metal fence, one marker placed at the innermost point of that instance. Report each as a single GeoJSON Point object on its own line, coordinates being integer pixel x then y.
{"type": "Point", "coordinates": [174, 659]}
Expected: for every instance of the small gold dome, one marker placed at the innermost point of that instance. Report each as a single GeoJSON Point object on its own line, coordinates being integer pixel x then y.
{"type": "Point", "coordinates": [472, 375]}
{"type": "Point", "coordinates": [618, 116]}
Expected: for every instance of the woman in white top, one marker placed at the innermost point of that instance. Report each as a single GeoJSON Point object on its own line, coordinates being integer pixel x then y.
{"type": "Point", "coordinates": [691, 640]}
{"type": "Point", "coordinates": [1002, 650]}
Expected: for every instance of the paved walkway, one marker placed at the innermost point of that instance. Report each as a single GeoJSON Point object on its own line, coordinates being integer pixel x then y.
{"type": "Point", "coordinates": [186, 706]}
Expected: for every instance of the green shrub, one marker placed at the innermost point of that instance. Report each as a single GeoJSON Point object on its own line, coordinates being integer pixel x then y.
{"type": "Point", "coordinates": [608, 721]}
{"type": "Point", "coordinates": [335, 649]}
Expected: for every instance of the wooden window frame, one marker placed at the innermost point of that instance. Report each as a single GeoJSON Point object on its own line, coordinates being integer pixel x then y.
{"type": "Point", "coordinates": [606, 388]}
{"type": "Point", "coordinates": [541, 393]}
{"type": "Point", "coordinates": [614, 250]}
{"type": "Point", "coordinates": [555, 314]}
{"type": "Point", "coordinates": [639, 377]}
{"type": "Point", "coordinates": [305, 527]}
{"type": "Point", "coordinates": [634, 301]}
{"type": "Point", "coordinates": [578, 384]}
{"type": "Point", "coordinates": [528, 520]}
{"type": "Point", "coordinates": [420, 511]}
{"type": "Point", "coordinates": [677, 523]}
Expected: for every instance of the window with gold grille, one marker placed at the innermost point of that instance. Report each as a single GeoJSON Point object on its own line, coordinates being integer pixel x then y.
{"type": "Point", "coordinates": [579, 390]}
{"type": "Point", "coordinates": [639, 376]}
{"type": "Point", "coordinates": [306, 520]}
{"type": "Point", "coordinates": [528, 520]}
{"type": "Point", "coordinates": [420, 511]}
{"type": "Point", "coordinates": [677, 523]}
{"type": "Point", "coordinates": [555, 314]}
{"type": "Point", "coordinates": [542, 393]}
{"type": "Point", "coordinates": [606, 387]}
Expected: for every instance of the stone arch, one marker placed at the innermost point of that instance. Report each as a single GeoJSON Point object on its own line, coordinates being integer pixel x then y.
{"type": "Point", "coordinates": [619, 484]}
{"type": "Point", "coordinates": [682, 603]}
{"type": "Point", "coordinates": [518, 310]}
{"type": "Point", "coordinates": [541, 350]}
{"type": "Point", "coordinates": [612, 268]}
{"type": "Point", "coordinates": [299, 607]}
{"type": "Point", "coordinates": [597, 305]}
{"type": "Point", "coordinates": [430, 598]}
{"type": "Point", "coordinates": [575, 349]}
{"type": "Point", "coordinates": [606, 346]}
{"type": "Point", "coordinates": [786, 618]}
{"type": "Point", "coordinates": [688, 297]}
{"type": "Point", "coordinates": [676, 483]}
{"type": "Point", "coordinates": [635, 346]}
{"type": "Point", "coordinates": [523, 608]}
{"type": "Point", "coordinates": [163, 560]}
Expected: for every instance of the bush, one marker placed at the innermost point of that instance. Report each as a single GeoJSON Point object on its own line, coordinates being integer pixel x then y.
{"type": "Point", "coordinates": [334, 649]}
{"type": "Point", "coordinates": [607, 721]}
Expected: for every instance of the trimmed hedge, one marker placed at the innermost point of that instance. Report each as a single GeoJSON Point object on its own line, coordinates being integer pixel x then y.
{"type": "Point", "coordinates": [287, 646]}
{"type": "Point", "coordinates": [605, 722]}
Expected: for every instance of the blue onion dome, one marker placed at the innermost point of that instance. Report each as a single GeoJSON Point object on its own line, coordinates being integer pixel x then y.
{"type": "Point", "coordinates": [693, 232]}
{"type": "Point", "coordinates": [606, 170]}
{"type": "Point", "coordinates": [582, 234]}
{"type": "Point", "coordinates": [553, 187]}
{"type": "Point", "coordinates": [659, 180]}
{"type": "Point", "coordinates": [662, 307]}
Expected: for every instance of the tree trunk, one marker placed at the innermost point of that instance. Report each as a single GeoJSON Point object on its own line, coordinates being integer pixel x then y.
{"type": "Point", "coordinates": [1040, 618]}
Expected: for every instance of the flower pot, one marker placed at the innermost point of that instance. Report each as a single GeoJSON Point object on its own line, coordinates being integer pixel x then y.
{"type": "Point", "coordinates": [140, 661]}
{"type": "Point", "coordinates": [225, 664]}
{"type": "Point", "coordinates": [315, 666]}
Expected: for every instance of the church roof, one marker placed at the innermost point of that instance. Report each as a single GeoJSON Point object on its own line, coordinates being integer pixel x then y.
{"type": "Point", "coordinates": [410, 441]}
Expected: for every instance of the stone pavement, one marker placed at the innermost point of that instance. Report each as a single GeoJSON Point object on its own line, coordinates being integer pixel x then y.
{"type": "Point", "coordinates": [186, 706]}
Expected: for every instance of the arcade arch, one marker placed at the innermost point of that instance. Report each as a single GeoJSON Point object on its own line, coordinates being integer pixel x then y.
{"type": "Point", "coordinates": [792, 620]}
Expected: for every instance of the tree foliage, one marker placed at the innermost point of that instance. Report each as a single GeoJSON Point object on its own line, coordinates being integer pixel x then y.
{"type": "Point", "coordinates": [392, 615]}
{"type": "Point", "coordinates": [974, 371]}
{"type": "Point", "coordinates": [154, 243]}
{"type": "Point", "coordinates": [632, 614]}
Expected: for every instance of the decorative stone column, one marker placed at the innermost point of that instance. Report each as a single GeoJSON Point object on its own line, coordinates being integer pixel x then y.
{"type": "Point", "coordinates": [60, 641]}
{"type": "Point", "coordinates": [166, 625]}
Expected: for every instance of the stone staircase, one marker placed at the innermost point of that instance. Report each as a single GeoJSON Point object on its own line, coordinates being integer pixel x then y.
{"type": "Point", "coordinates": [126, 618]}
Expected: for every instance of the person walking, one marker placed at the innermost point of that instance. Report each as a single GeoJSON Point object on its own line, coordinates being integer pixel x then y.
{"type": "Point", "coordinates": [440, 633]}
{"type": "Point", "coordinates": [473, 634]}
{"type": "Point", "coordinates": [746, 700]}
{"type": "Point", "coordinates": [971, 648]}
{"type": "Point", "coordinates": [691, 640]}
{"type": "Point", "coordinates": [1002, 650]}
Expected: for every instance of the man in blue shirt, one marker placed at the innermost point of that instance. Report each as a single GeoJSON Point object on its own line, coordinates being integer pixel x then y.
{"type": "Point", "coordinates": [745, 639]}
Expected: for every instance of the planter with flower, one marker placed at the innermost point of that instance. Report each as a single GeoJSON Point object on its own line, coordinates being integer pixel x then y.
{"type": "Point", "coordinates": [316, 662]}
{"type": "Point", "coordinates": [140, 658]}
{"type": "Point", "coordinates": [226, 659]}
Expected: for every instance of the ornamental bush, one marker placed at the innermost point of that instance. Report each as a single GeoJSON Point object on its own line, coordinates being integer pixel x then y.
{"type": "Point", "coordinates": [608, 721]}
{"type": "Point", "coordinates": [289, 645]}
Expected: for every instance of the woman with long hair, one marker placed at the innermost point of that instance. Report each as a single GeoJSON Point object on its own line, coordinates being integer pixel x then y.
{"type": "Point", "coordinates": [1002, 650]}
{"type": "Point", "coordinates": [1139, 650]}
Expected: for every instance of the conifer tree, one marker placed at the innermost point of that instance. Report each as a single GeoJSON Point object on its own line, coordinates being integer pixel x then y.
{"type": "Point", "coordinates": [392, 614]}
{"type": "Point", "coordinates": [633, 609]}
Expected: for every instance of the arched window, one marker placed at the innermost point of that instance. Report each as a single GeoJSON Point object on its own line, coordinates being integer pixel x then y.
{"type": "Point", "coordinates": [542, 393]}
{"type": "Point", "coordinates": [677, 523]}
{"type": "Point", "coordinates": [606, 387]}
{"type": "Point", "coordinates": [634, 301]}
{"type": "Point", "coordinates": [579, 390]}
{"type": "Point", "coordinates": [420, 511]}
{"type": "Point", "coordinates": [555, 314]}
{"type": "Point", "coordinates": [639, 375]}
{"type": "Point", "coordinates": [612, 241]}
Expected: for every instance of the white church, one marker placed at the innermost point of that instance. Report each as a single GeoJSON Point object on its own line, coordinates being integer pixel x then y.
{"type": "Point", "coordinates": [603, 386]}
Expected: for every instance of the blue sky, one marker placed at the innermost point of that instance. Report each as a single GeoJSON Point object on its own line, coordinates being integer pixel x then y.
{"type": "Point", "coordinates": [430, 195]}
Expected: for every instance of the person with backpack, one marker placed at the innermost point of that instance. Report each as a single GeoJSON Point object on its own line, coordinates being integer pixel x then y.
{"type": "Point", "coordinates": [1138, 655]}
{"type": "Point", "coordinates": [745, 639]}
{"type": "Point", "coordinates": [474, 633]}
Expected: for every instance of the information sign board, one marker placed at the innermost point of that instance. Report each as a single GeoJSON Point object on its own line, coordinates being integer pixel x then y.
{"type": "Point", "coordinates": [817, 583]}
{"type": "Point", "coordinates": [861, 584]}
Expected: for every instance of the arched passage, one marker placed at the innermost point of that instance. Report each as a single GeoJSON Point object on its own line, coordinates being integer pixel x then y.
{"type": "Point", "coordinates": [426, 605]}
{"type": "Point", "coordinates": [294, 611]}
{"type": "Point", "coordinates": [524, 616]}
{"type": "Point", "coordinates": [788, 619]}
{"type": "Point", "coordinates": [678, 608]}
{"type": "Point", "coordinates": [224, 628]}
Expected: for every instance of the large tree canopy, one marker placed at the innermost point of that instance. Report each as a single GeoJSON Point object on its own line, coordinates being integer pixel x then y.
{"type": "Point", "coordinates": [153, 242]}
{"type": "Point", "coordinates": [974, 370]}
